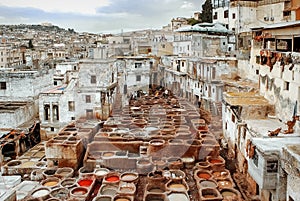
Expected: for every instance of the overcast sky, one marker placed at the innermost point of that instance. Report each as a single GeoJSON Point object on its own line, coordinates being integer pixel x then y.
{"type": "Point", "coordinates": [97, 16]}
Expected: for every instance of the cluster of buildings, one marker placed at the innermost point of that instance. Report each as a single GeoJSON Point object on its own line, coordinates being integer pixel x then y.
{"type": "Point", "coordinates": [244, 68]}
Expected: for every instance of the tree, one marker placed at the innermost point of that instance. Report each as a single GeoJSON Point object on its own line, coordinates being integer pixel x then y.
{"type": "Point", "coordinates": [192, 21]}
{"type": "Point", "coordinates": [30, 45]}
{"type": "Point", "coordinates": [206, 15]}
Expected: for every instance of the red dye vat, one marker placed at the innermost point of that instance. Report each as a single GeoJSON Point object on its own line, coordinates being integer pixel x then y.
{"type": "Point", "coordinates": [204, 175]}
{"type": "Point", "coordinates": [112, 179]}
{"type": "Point", "coordinates": [85, 182]}
{"type": "Point", "coordinates": [215, 161]}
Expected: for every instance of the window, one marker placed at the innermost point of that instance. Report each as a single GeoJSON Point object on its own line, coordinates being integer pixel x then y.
{"type": "Point", "coordinates": [255, 158]}
{"type": "Point", "coordinates": [88, 99]}
{"type": "Point", "coordinates": [89, 114]}
{"type": "Point", "coordinates": [213, 73]}
{"type": "Point", "coordinates": [72, 118]}
{"type": "Point", "coordinates": [163, 46]}
{"type": "Point", "coordinates": [226, 14]}
{"type": "Point", "coordinates": [71, 105]}
{"type": "Point", "coordinates": [125, 89]}
{"type": "Point", "coordinates": [55, 83]}
{"type": "Point", "coordinates": [138, 78]}
{"type": "Point", "coordinates": [286, 86]}
{"type": "Point", "coordinates": [216, 15]}
{"type": "Point", "coordinates": [55, 112]}
{"type": "Point", "coordinates": [52, 129]}
{"type": "Point", "coordinates": [257, 72]}
{"type": "Point", "coordinates": [272, 166]}
{"type": "Point", "coordinates": [232, 118]}
{"type": "Point", "coordinates": [3, 85]}
{"type": "Point", "coordinates": [138, 65]}
{"type": "Point", "coordinates": [233, 15]}
{"type": "Point", "coordinates": [151, 64]}
{"type": "Point", "coordinates": [46, 112]}
{"type": "Point", "coordinates": [93, 79]}
{"type": "Point", "coordinates": [286, 13]}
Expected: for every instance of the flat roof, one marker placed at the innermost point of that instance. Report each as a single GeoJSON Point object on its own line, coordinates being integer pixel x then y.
{"type": "Point", "coordinates": [56, 90]}
{"type": "Point", "coordinates": [274, 144]}
{"type": "Point", "coordinates": [278, 25]}
{"type": "Point", "coordinates": [260, 129]}
{"type": "Point", "coordinates": [244, 98]}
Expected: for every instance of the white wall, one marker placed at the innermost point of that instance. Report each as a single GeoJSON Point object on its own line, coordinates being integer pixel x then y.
{"type": "Point", "coordinates": [25, 86]}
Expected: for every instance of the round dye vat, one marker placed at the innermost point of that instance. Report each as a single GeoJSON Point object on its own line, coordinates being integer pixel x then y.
{"type": "Point", "coordinates": [79, 191]}
{"type": "Point", "coordinates": [209, 196]}
{"type": "Point", "coordinates": [50, 183]}
{"type": "Point", "coordinates": [49, 172]}
{"type": "Point", "coordinates": [27, 164]}
{"type": "Point", "coordinates": [108, 154]}
{"type": "Point", "coordinates": [208, 184]}
{"type": "Point", "coordinates": [111, 192]}
{"type": "Point", "coordinates": [85, 182]}
{"type": "Point", "coordinates": [129, 177]}
{"type": "Point", "coordinates": [178, 197]}
{"type": "Point", "coordinates": [157, 142]}
{"type": "Point", "coordinates": [156, 190]}
{"type": "Point", "coordinates": [122, 199]}
{"type": "Point", "coordinates": [215, 161]}
{"type": "Point", "coordinates": [60, 193]}
{"type": "Point", "coordinates": [14, 163]}
{"type": "Point", "coordinates": [127, 189]}
{"type": "Point", "coordinates": [228, 194]}
{"type": "Point", "coordinates": [102, 198]}
{"type": "Point", "coordinates": [68, 183]}
{"type": "Point", "coordinates": [221, 175]}
{"type": "Point", "coordinates": [177, 187]}
{"type": "Point", "coordinates": [203, 175]}
{"type": "Point", "coordinates": [40, 193]}
{"type": "Point", "coordinates": [65, 172]}
{"type": "Point", "coordinates": [101, 172]}
{"type": "Point", "coordinates": [112, 179]}
{"type": "Point", "coordinates": [224, 184]}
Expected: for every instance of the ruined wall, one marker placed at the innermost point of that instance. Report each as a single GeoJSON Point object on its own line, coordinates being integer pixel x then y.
{"type": "Point", "coordinates": [19, 114]}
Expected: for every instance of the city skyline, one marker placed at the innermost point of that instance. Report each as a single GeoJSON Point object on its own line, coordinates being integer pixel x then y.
{"type": "Point", "coordinates": [104, 16]}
